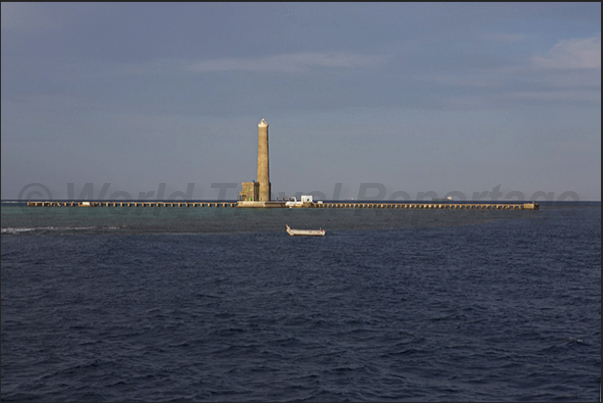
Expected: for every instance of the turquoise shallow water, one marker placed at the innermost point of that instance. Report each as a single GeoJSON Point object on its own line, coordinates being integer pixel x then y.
{"type": "Point", "coordinates": [18, 218]}
{"type": "Point", "coordinates": [218, 304]}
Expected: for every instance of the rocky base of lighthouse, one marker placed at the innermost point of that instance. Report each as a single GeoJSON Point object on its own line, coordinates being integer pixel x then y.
{"type": "Point", "coordinates": [262, 204]}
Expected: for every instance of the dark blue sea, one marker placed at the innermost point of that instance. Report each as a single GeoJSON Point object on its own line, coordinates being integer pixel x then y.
{"type": "Point", "coordinates": [220, 304]}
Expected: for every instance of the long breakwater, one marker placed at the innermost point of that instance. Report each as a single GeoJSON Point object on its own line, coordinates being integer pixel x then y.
{"type": "Point", "coordinates": [325, 205]}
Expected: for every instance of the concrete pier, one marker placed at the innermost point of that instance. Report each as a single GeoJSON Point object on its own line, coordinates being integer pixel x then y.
{"type": "Point", "coordinates": [443, 206]}
{"type": "Point", "coordinates": [127, 204]}
{"type": "Point", "coordinates": [276, 204]}
{"type": "Point", "coordinates": [260, 204]}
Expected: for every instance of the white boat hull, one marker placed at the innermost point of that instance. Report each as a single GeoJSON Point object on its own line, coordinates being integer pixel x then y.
{"type": "Point", "coordinates": [306, 232]}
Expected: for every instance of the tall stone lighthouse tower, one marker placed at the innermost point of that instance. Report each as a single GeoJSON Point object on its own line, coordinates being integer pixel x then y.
{"type": "Point", "coordinates": [263, 177]}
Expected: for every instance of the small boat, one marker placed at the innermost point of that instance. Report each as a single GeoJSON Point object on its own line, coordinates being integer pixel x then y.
{"type": "Point", "coordinates": [306, 232]}
{"type": "Point", "coordinates": [306, 201]}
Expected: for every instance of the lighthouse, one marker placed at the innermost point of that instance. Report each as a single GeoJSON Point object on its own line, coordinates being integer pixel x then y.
{"type": "Point", "coordinates": [263, 178]}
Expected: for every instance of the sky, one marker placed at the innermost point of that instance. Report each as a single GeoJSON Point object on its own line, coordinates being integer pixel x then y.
{"type": "Point", "coordinates": [364, 100]}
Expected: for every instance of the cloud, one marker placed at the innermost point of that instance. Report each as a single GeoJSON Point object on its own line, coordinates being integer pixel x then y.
{"type": "Point", "coordinates": [289, 63]}
{"type": "Point", "coordinates": [572, 54]}
{"type": "Point", "coordinates": [590, 96]}
{"type": "Point", "coordinates": [285, 63]}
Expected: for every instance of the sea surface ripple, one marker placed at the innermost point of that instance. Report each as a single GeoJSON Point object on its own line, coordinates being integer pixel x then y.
{"type": "Point", "coordinates": [496, 308]}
